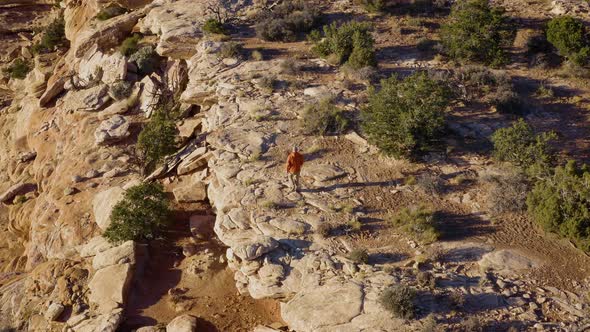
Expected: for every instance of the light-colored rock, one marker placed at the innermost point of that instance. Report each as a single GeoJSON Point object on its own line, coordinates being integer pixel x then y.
{"type": "Point", "coordinates": [178, 26]}
{"type": "Point", "coordinates": [193, 192]}
{"type": "Point", "coordinates": [319, 92]}
{"type": "Point", "coordinates": [322, 172]}
{"type": "Point", "coordinates": [197, 159]}
{"type": "Point", "coordinates": [128, 252]}
{"type": "Point", "coordinates": [506, 262]}
{"type": "Point", "coordinates": [148, 329]}
{"type": "Point", "coordinates": [251, 247]}
{"type": "Point", "coordinates": [109, 68]}
{"type": "Point", "coordinates": [93, 247]}
{"type": "Point", "coordinates": [103, 204]}
{"type": "Point", "coordinates": [112, 130]}
{"type": "Point", "coordinates": [328, 305]}
{"type": "Point", "coordinates": [183, 323]}
{"type": "Point", "coordinates": [16, 190]}
{"type": "Point", "coordinates": [109, 286]}
{"type": "Point", "coordinates": [107, 322]}
{"type": "Point", "coordinates": [54, 311]}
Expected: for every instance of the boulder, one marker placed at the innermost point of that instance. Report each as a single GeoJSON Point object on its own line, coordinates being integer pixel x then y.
{"type": "Point", "coordinates": [128, 252]}
{"type": "Point", "coordinates": [194, 161]}
{"type": "Point", "coordinates": [149, 97]}
{"type": "Point", "coordinates": [323, 306]}
{"type": "Point", "coordinates": [93, 247]}
{"type": "Point", "coordinates": [322, 172]}
{"type": "Point", "coordinates": [178, 26]}
{"type": "Point", "coordinates": [17, 190]}
{"type": "Point", "coordinates": [106, 322]}
{"type": "Point", "coordinates": [112, 130]}
{"type": "Point", "coordinates": [54, 311]}
{"type": "Point", "coordinates": [191, 193]}
{"type": "Point", "coordinates": [103, 204]}
{"type": "Point", "coordinates": [110, 67]}
{"type": "Point", "coordinates": [109, 286]}
{"type": "Point", "coordinates": [148, 329]}
{"type": "Point", "coordinates": [249, 247]}
{"type": "Point", "coordinates": [183, 323]}
{"type": "Point", "coordinates": [92, 99]}
{"type": "Point", "coordinates": [506, 262]}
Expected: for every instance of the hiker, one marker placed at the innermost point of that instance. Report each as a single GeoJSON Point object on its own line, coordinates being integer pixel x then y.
{"type": "Point", "coordinates": [294, 163]}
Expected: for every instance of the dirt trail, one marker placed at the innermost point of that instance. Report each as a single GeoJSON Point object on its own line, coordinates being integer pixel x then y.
{"type": "Point", "coordinates": [167, 288]}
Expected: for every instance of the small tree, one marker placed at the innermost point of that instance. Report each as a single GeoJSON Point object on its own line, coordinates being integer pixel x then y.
{"type": "Point", "coordinates": [156, 141]}
{"type": "Point", "coordinates": [561, 203]}
{"type": "Point", "coordinates": [405, 116]}
{"type": "Point", "coordinates": [286, 21]}
{"type": "Point", "coordinates": [520, 145]}
{"type": "Point", "coordinates": [18, 69]}
{"type": "Point", "coordinates": [419, 223]}
{"type": "Point", "coordinates": [323, 118]}
{"type": "Point", "coordinates": [350, 43]}
{"type": "Point", "coordinates": [570, 38]}
{"type": "Point", "coordinates": [221, 10]}
{"type": "Point", "coordinates": [140, 215]}
{"type": "Point", "coordinates": [54, 35]}
{"type": "Point", "coordinates": [477, 32]}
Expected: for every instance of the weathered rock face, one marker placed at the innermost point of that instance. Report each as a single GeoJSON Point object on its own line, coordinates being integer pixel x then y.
{"type": "Point", "coordinates": [103, 205]}
{"type": "Point", "coordinates": [506, 262]}
{"type": "Point", "coordinates": [112, 130]}
{"type": "Point", "coordinates": [328, 305]}
{"type": "Point", "coordinates": [178, 26]}
{"type": "Point", "coordinates": [109, 287]}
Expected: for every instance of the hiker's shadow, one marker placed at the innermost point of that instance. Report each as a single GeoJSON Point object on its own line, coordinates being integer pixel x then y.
{"type": "Point", "coordinates": [311, 156]}
{"type": "Point", "coordinates": [352, 185]}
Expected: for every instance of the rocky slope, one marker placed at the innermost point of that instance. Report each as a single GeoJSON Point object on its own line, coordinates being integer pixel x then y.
{"type": "Point", "coordinates": [68, 155]}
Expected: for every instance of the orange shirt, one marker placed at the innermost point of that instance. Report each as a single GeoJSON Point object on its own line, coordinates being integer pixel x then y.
{"type": "Point", "coordinates": [294, 162]}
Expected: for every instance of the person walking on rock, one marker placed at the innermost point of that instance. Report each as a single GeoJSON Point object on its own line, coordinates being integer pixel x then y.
{"type": "Point", "coordinates": [294, 164]}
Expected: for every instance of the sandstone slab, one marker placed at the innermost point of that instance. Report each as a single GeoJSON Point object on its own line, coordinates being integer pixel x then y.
{"type": "Point", "coordinates": [184, 323]}
{"type": "Point", "coordinates": [103, 204]}
{"type": "Point", "coordinates": [112, 130]}
{"type": "Point", "coordinates": [109, 286]}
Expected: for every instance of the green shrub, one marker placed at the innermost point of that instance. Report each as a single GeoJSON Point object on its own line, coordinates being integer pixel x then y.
{"type": "Point", "coordinates": [286, 21]}
{"type": "Point", "coordinates": [121, 89]}
{"type": "Point", "coordinates": [156, 140]}
{"type": "Point", "coordinates": [323, 118]}
{"type": "Point", "coordinates": [54, 35]}
{"type": "Point", "coordinates": [426, 279]}
{"type": "Point", "coordinates": [359, 256]}
{"type": "Point", "coordinates": [570, 37]}
{"type": "Point", "coordinates": [110, 12]}
{"type": "Point", "coordinates": [520, 145]}
{"type": "Point", "coordinates": [350, 43]}
{"type": "Point", "coordinates": [130, 45]}
{"type": "Point", "coordinates": [231, 50]}
{"type": "Point", "coordinates": [256, 55]}
{"type": "Point", "coordinates": [507, 101]}
{"type": "Point", "coordinates": [372, 6]}
{"type": "Point", "coordinates": [18, 69]}
{"type": "Point", "coordinates": [405, 116]}
{"type": "Point", "coordinates": [214, 26]}
{"type": "Point", "coordinates": [418, 223]}
{"type": "Point", "coordinates": [477, 32]}
{"type": "Point", "coordinates": [399, 301]}
{"type": "Point", "coordinates": [140, 215]}
{"type": "Point", "coordinates": [561, 203]}
{"type": "Point", "coordinates": [146, 59]}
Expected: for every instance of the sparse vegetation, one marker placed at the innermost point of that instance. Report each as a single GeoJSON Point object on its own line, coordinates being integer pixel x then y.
{"type": "Point", "coordinates": [323, 118]}
{"type": "Point", "coordinates": [214, 26]}
{"type": "Point", "coordinates": [121, 89]}
{"type": "Point", "coordinates": [473, 324]}
{"type": "Point", "coordinates": [372, 6]}
{"type": "Point", "coordinates": [429, 183]}
{"type": "Point", "coordinates": [426, 279]}
{"type": "Point", "coordinates": [110, 12]}
{"type": "Point", "coordinates": [399, 301]}
{"type": "Point", "coordinates": [359, 256]}
{"type": "Point", "coordinates": [560, 203]}
{"type": "Point", "coordinates": [130, 45]}
{"type": "Point", "coordinates": [156, 140]}
{"type": "Point", "coordinates": [146, 59]}
{"type": "Point", "coordinates": [477, 32]}
{"type": "Point", "coordinates": [350, 44]}
{"type": "Point", "coordinates": [256, 55]}
{"type": "Point", "coordinates": [140, 215]}
{"type": "Point", "coordinates": [18, 69]}
{"type": "Point", "coordinates": [53, 36]}
{"type": "Point", "coordinates": [418, 223]}
{"type": "Point", "coordinates": [507, 192]}
{"type": "Point", "coordinates": [520, 145]}
{"type": "Point", "coordinates": [354, 225]}
{"type": "Point", "coordinates": [286, 21]}
{"type": "Point", "coordinates": [405, 117]}
{"type": "Point", "coordinates": [290, 66]}
{"type": "Point", "coordinates": [324, 230]}
{"type": "Point", "coordinates": [231, 50]}
{"type": "Point", "coordinates": [571, 39]}
{"type": "Point", "coordinates": [269, 205]}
